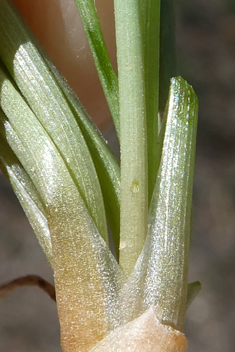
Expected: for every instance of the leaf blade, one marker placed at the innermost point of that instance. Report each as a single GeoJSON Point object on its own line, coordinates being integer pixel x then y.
{"type": "Point", "coordinates": [86, 274]}
{"type": "Point", "coordinates": [108, 78]}
{"type": "Point", "coordinates": [37, 85]}
{"type": "Point", "coordinates": [170, 212]}
{"type": "Point", "coordinates": [27, 195]}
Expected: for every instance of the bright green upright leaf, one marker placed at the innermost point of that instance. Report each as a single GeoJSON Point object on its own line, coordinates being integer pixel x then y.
{"type": "Point", "coordinates": [108, 78]}
{"type": "Point", "coordinates": [150, 16]}
{"type": "Point", "coordinates": [168, 64]}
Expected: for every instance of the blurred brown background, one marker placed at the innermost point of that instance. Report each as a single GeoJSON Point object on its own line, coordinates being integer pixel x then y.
{"type": "Point", "coordinates": [206, 52]}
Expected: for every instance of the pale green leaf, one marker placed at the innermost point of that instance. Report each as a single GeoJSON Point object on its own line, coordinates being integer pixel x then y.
{"type": "Point", "coordinates": [86, 274]}
{"type": "Point", "coordinates": [46, 100]}
{"type": "Point", "coordinates": [26, 193]}
{"type": "Point", "coordinates": [160, 275]}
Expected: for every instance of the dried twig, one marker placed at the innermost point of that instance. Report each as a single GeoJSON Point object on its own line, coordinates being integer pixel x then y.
{"type": "Point", "coordinates": [29, 280]}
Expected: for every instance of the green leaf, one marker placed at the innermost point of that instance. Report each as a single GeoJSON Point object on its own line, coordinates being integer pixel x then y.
{"type": "Point", "coordinates": [160, 275]}
{"type": "Point", "coordinates": [150, 16]}
{"type": "Point", "coordinates": [26, 193]}
{"type": "Point", "coordinates": [86, 274]}
{"type": "Point", "coordinates": [43, 95]}
{"type": "Point", "coordinates": [101, 58]}
{"type": "Point", "coordinates": [105, 162]}
{"type": "Point", "coordinates": [170, 212]}
{"type": "Point", "coordinates": [133, 141]}
{"type": "Point", "coordinates": [168, 64]}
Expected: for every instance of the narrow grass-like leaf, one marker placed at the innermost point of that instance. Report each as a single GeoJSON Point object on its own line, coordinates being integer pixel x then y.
{"type": "Point", "coordinates": [101, 58]}
{"type": "Point", "coordinates": [33, 78]}
{"type": "Point", "coordinates": [105, 162]}
{"type": "Point", "coordinates": [133, 142]}
{"type": "Point", "coordinates": [150, 16]}
{"type": "Point", "coordinates": [86, 273]}
{"type": "Point", "coordinates": [107, 167]}
{"type": "Point", "coordinates": [26, 193]}
{"type": "Point", "coordinates": [168, 64]}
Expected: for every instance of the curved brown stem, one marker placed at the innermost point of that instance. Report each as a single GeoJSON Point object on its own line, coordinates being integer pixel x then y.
{"type": "Point", "coordinates": [29, 280]}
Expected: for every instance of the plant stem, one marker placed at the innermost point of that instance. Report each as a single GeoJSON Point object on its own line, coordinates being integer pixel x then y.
{"type": "Point", "coordinates": [133, 143]}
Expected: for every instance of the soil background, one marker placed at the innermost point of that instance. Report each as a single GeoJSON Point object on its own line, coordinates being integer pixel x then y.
{"type": "Point", "coordinates": [206, 53]}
